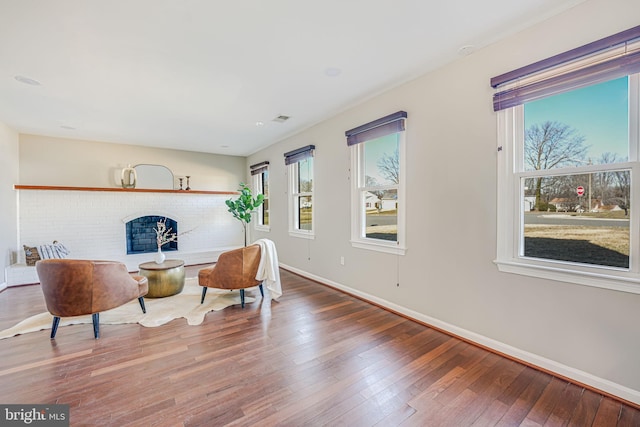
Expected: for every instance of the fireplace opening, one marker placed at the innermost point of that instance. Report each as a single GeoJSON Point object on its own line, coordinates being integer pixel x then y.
{"type": "Point", "coordinates": [141, 236]}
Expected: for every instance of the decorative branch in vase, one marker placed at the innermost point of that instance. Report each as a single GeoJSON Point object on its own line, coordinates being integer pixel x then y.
{"type": "Point", "coordinates": [245, 205]}
{"type": "Point", "coordinates": [163, 236]}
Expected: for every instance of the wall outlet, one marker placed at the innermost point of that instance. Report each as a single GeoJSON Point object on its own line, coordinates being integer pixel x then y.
{"type": "Point", "coordinates": [341, 260]}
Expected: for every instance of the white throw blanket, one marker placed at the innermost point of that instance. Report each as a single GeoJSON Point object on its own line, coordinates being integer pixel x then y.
{"type": "Point", "coordinates": [268, 269]}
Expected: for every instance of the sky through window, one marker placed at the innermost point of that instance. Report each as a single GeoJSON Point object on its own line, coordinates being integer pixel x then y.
{"type": "Point", "coordinates": [598, 112]}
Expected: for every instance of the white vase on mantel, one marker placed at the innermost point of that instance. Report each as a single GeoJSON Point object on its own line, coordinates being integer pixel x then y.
{"type": "Point", "coordinates": [159, 258]}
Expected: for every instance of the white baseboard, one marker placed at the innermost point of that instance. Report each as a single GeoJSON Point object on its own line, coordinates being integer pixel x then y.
{"type": "Point", "coordinates": [575, 375]}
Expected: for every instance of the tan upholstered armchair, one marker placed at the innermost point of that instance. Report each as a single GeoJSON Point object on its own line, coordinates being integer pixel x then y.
{"type": "Point", "coordinates": [74, 287]}
{"type": "Point", "coordinates": [235, 269]}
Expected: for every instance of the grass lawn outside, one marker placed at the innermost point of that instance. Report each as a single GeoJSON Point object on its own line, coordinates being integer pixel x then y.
{"type": "Point", "coordinates": [588, 245]}
{"type": "Point", "coordinates": [382, 232]}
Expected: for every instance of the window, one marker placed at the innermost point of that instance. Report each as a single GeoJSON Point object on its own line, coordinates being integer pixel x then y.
{"type": "Point", "coordinates": [377, 174]}
{"type": "Point", "coordinates": [569, 166]}
{"type": "Point", "coordinates": [300, 169]}
{"type": "Point", "coordinates": [260, 176]}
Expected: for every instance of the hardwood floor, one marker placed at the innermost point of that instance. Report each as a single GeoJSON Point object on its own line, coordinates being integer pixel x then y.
{"type": "Point", "coordinates": [318, 357]}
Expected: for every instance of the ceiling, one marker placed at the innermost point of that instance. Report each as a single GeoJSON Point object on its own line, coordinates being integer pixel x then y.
{"type": "Point", "coordinates": [213, 76]}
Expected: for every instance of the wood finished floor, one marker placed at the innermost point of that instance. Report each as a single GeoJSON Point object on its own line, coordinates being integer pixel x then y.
{"type": "Point", "coordinates": [318, 357]}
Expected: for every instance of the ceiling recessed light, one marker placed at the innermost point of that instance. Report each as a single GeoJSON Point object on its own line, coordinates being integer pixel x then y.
{"type": "Point", "coordinates": [466, 50]}
{"type": "Point", "coordinates": [27, 81]}
{"type": "Point", "coordinates": [259, 124]}
{"type": "Point", "coordinates": [332, 72]}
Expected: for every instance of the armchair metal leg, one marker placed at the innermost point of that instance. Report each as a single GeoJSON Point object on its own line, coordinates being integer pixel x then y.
{"type": "Point", "coordinates": [242, 297]}
{"type": "Point", "coordinates": [96, 325]}
{"type": "Point", "coordinates": [261, 290]}
{"type": "Point", "coordinates": [54, 326]}
{"type": "Point", "coordinates": [204, 292]}
{"type": "Point", "coordinates": [141, 301]}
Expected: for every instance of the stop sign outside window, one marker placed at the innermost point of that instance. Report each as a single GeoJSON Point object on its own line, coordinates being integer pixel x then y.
{"type": "Point", "coordinates": [580, 190]}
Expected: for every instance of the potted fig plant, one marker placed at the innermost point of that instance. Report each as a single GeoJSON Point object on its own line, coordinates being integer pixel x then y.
{"type": "Point", "coordinates": [244, 206]}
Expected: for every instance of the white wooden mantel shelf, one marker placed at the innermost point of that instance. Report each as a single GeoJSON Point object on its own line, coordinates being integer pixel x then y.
{"type": "Point", "coordinates": [117, 189]}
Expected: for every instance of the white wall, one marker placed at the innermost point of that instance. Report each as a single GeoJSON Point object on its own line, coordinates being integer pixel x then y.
{"type": "Point", "coordinates": [448, 276]}
{"type": "Point", "coordinates": [92, 224]}
{"type": "Point", "coordinates": [8, 177]}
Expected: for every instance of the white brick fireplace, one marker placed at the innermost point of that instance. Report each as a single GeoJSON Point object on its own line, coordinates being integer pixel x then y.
{"type": "Point", "coordinates": [91, 224]}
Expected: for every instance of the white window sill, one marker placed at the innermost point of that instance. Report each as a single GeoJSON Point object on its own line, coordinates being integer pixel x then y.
{"type": "Point", "coordinates": [264, 228]}
{"type": "Point", "coordinates": [379, 247]}
{"type": "Point", "coordinates": [607, 279]}
{"type": "Point", "coordinates": [302, 234]}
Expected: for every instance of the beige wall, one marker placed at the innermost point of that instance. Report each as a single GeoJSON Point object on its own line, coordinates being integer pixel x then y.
{"type": "Point", "coordinates": [67, 162]}
{"type": "Point", "coordinates": [448, 276]}
{"type": "Point", "coordinates": [8, 213]}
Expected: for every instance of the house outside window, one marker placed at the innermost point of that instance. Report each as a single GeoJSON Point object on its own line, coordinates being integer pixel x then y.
{"type": "Point", "coordinates": [300, 170]}
{"type": "Point", "coordinates": [377, 177]}
{"type": "Point", "coordinates": [569, 167]}
{"type": "Point", "coordinates": [260, 177]}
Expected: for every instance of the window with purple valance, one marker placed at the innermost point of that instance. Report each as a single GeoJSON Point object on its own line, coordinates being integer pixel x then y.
{"type": "Point", "coordinates": [299, 154]}
{"type": "Point", "coordinates": [605, 59]}
{"type": "Point", "coordinates": [259, 168]}
{"type": "Point", "coordinates": [383, 126]}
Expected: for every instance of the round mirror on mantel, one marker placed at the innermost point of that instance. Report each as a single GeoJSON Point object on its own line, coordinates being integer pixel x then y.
{"type": "Point", "coordinates": [154, 177]}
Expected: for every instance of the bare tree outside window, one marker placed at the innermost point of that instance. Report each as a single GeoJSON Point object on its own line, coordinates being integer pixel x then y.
{"type": "Point", "coordinates": [389, 166]}
{"type": "Point", "coordinates": [551, 145]}
{"type": "Point", "coordinates": [604, 197]}
{"type": "Point", "coordinates": [613, 188]}
{"type": "Point", "coordinates": [380, 191]}
{"type": "Point", "coordinates": [372, 182]}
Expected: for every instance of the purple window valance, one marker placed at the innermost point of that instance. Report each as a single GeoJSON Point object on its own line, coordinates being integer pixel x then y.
{"type": "Point", "coordinates": [383, 126]}
{"type": "Point", "coordinates": [299, 154]}
{"type": "Point", "coordinates": [624, 59]}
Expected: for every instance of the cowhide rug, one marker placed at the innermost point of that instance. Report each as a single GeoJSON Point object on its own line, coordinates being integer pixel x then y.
{"type": "Point", "coordinates": [159, 310]}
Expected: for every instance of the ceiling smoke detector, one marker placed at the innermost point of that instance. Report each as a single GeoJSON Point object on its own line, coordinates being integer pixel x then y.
{"type": "Point", "coordinates": [281, 118]}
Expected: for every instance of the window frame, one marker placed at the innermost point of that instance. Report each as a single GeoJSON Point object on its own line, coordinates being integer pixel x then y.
{"type": "Point", "coordinates": [358, 190]}
{"type": "Point", "coordinates": [260, 174]}
{"type": "Point", "coordinates": [510, 233]}
{"type": "Point", "coordinates": [293, 169]}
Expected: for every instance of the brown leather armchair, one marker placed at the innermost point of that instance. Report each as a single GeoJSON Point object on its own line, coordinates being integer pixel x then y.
{"type": "Point", "coordinates": [75, 287]}
{"type": "Point", "coordinates": [235, 269]}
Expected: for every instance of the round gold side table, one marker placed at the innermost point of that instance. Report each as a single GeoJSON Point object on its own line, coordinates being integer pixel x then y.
{"type": "Point", "coordinates": [165, 279]}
